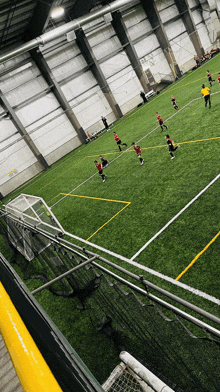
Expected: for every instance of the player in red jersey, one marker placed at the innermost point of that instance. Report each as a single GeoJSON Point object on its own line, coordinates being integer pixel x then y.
{"type": "Point", "coordinates": [209, 76]}
{"type": "Point", "coordinates": [99, 167]}
{"type": "Point", "coordinates": [118, 141]}
{"type": "Point", "coordinates": [159, 119]}
{"type": "Point", "coordinates": [138, 151]}
{"type": "Point", "coordinates": [171, 146]}
{"type": "Point", "coordinates": [173, 100]}
{"type": "Point", "coordinates": [219, 77]}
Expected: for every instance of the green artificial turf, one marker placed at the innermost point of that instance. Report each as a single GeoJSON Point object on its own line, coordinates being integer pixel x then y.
{"type": "Point", "coordinates": [154, 193]}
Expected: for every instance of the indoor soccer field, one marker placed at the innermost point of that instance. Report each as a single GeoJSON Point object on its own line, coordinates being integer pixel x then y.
{"type": "Point", "coordinates": [162, 218]}
{"type": "Point", "coordinates": [159, 220]}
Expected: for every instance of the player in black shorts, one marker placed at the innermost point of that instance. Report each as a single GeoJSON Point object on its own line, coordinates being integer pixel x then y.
{"type": "Point", "coordinates": [171, 146]}
{"type": "Point", "coordinates": [173, 100]}
{"type": "Point", "coordinates": [209, 76]}
{"type": "Point", "coordinates": [118, 141]}
{"type": "Point", "coordinates": [104, 120]}
{"type": "Point", "coordinates": [103, 161]}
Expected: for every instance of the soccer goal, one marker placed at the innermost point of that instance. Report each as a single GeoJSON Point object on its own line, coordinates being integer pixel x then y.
{"type": "Point", "coordinates": [131, 376]}
{"type": "Point", "coordinates": [34, 211]}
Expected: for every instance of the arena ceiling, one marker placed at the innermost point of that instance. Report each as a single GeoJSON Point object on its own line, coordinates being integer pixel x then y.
{"type": "Point", "coordinates": [23, 20]}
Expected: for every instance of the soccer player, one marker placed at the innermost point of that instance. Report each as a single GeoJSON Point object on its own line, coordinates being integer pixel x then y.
{"type": "Point", "coordinates": [171, 146]}
{"type": "Point", "coordinates": [118, 141]}
{"type": "Point", "coordinates": [219, 78]}
{"type": "Point", "coordinates": [99, 167]}
{"type": "Point", "coordinates": [159, 119]}
{"type": "Point", "coordinates": [173, 100]}
{"type": "Point", "coordinates": [209, 78]}
{"type": "Point", "coordinates": [138, 151]}
{"type": "Point", "coordinates": [104, 161]}
{"type": "Point", "coordinates": [206, 94]}
{"type": "Point", "coordinates": [104, 120]}
{"type": "Point", "coordinates": [142, 95]}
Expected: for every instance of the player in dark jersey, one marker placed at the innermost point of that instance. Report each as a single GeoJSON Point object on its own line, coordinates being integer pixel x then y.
{"type": "Point", "coordinates": [159, 119]}
{"type": "Point", "coordinates": [173, 100]}
{"type": "Point", "coordinates": [209, 76]}
{"type": "Point", "coordinates": [142, 95]}
{"type": "Point", "coordinates": [104, 120]}
{"type": "Point", "coordinates": [171, 146]}
{"type": "Point", "coordinates": [118, 141]}
{"type": "Point", "coordinates": [104, 161]}
{"type": "Point", "coordinates": [99, 167]}
{"type": "Point", "coordinates": [138, 151]}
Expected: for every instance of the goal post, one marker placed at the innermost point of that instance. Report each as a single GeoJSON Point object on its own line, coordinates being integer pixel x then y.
{"type": "Point", "coordinates": [131, 376]}
{"type": "Point", "coordinates": [34, 211]}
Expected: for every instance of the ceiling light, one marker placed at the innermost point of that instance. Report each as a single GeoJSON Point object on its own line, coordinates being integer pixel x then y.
{"type": "Point", "coordinates": [57, 12]}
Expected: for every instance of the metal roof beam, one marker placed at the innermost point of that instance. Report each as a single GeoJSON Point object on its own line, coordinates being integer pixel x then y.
{"type": "Point", "coordinates": [80, 8]}
{"type": "Point", "coordinates": [40, 19]}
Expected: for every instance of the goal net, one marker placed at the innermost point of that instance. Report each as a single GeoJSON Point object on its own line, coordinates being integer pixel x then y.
{"type": "Point", "coordinates": [34, 211]}
{"type": "Point", "coordinates": [131, 376]}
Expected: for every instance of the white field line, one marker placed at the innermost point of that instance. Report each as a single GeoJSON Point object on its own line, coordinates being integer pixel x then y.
{"type": "Point", "coordinates": [62, 198]}
{"type": "Point", "coordinates": [128, 116]}
{"type": "Point", "coordinates": [175, 217]}
{"type": "Point", "coordinates": [73, 190]}
{"type": "Point", "coordinates": [149, 270]}
{"type": "Point", "coordinates": [131, 261]}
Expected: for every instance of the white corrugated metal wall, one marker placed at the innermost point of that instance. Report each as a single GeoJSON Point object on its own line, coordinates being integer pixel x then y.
{"type": "Point", "coordinates": [38, 109]}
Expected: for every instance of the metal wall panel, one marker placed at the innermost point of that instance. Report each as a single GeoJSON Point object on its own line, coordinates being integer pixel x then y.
{"type": "Point", "coordinates": [44, 119]}
{"type": "Point", "coordinates": [90, 110]}
{"type": "Point", "coordinates": [14, 78]}
{"type": "Point", "coordinates": [7, 131]}
{"type": "Point", "coordinates": [53, 135]}
{"type": "Point", "coordinates": [34, 111]}
{"type": "Point", "coordinates": [18, 160]}
{"type": "Point", "coordinates": [183, 49]}
{"type": "Point", "coordinates": [79, 87]}
{"type": "Point", "coordinates": [204, 37]}
{"type": "Point", "coordinates": [26, 90]}
{"type": "Point", "coordinates": [106, 47]}
{"type": "Point", "coordinates": [125, 86]}
{"type": "Point", "coordinates": [114, 65]}
{"type": "Point", "coordinates": [157, 63]}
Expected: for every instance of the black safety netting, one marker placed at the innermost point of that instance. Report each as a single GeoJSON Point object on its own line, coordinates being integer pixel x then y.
{"type": "Point", "coordinates": [161, 342]}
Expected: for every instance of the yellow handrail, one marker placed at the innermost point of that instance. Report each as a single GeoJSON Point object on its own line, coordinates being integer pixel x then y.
{"type": "Point", "coordinates": [32, 370]}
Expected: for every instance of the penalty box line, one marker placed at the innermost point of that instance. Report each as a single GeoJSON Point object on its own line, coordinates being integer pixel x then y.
{"type": "Point", "coordinates": [175, 217]}
{"type": "Point", "coordinates": [98, 198]}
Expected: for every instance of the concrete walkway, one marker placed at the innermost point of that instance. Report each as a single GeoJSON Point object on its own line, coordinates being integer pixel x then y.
{"type": "Point", "coordinates": [9, 381]}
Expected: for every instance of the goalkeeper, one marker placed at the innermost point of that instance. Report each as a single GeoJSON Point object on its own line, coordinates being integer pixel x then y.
{"type": "Point", "coordinates": [206, 94]}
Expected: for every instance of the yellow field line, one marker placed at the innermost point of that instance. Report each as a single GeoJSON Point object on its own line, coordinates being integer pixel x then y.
{"type": "Point", "coordinates": [194, 81]}
{"type": "Point", "coordinates": [96, 198]}
{"type": "Point", "coordinates": [111, 153]}
{"type": "Point", "coordinates": [189, 141]}
{"type": "Point", "coordinates": [108, 153]}
{"type": "Point", "coordinates": [196, 258]}
{"type": "Point", "coordinates": [144, 148]}
{"type": "Point", "coordinates": [99, 198]}
{"type": "Point", "coordinates": [128, 203]}
{"type": "Point", "coordinates": [54, 197]}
